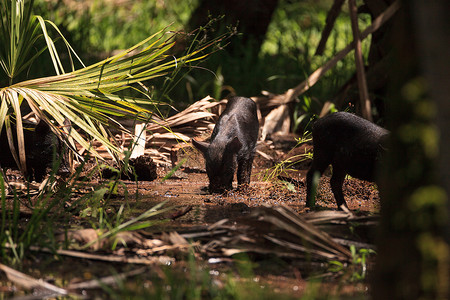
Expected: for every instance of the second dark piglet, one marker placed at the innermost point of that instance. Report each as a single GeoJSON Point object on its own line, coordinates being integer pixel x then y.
{"type": "Point", "coordinates": [232, 145]}
{"type": "Point", "coordinates": [40, 145]}
{"type": "Point", "coordinates": [351, 144]}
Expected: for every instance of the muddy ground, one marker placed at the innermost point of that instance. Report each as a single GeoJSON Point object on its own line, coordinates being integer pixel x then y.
{"type": "Point", "coordinates": [269, 185]}
{"type": "Point", "coordinates": [188, 187]}
{"type": "Point", "coordinates": [194, 209]}
{"type": "Point", "coordinates": [187, 191]}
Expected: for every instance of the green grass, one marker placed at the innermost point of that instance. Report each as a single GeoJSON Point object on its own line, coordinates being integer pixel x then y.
{"type": "Point", "coordinates": [17, 235]}
{"type": "Point", "coordinates": [54, 210]}
{"type": "Point", "coordinates": [288, 164]}
{"type": "Point", "coordinates": [194, 280]}
{"type": "Point", "coordinates": [105, 26]}
{"type": "Point", "coordinates": [286, 57]}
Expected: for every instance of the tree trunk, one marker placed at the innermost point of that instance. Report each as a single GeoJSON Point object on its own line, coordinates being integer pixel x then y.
{"type": "Point", "coordinates": [413, 255]}
{"type": "Point", "coordinates": [252, 18]}
{"type": "Point", "coordinates": [433, 35]}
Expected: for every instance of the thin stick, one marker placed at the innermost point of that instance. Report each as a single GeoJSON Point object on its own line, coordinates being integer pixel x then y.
{"type": "Point", "coordinates": [360, 74]}
{"type": "Point", "coordinates": [111, 258]}
{"type": "Point", "coordinates": [108, 280]}
{"type": "Point", "coordinates": [329, 24]}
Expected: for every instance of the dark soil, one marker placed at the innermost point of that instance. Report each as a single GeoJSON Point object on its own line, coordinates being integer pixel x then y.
{"type": "Point", "coordinates": [189, 187]}
{"type": "Point", "coordinates": [196, 208]}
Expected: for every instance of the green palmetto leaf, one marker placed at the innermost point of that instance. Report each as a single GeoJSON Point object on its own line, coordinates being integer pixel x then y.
{"type": "Point", "coordinates": [19, 33]}
{"type": "Point", "coordinates": [87, 97]}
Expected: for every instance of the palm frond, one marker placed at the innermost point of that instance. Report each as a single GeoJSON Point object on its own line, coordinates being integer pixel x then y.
{"type": "Point", "coordinates": [88, 96]}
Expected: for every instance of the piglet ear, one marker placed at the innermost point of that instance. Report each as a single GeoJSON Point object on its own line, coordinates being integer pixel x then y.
{"type": "Point", "coordinates": [235, 145]}
{"type": "Point", "coordinates": [202, 146]}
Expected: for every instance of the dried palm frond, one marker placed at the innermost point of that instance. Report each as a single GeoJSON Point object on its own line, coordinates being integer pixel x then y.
{"type": "Point", "coordinates": [163, 135]}
{"type": "Point", "coordinates": [278, 231]}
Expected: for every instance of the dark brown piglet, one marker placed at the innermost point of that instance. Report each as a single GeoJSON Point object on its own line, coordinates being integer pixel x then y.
{"type": "Point", "coordinates": [351, 144]}
{"type": "Point", "coordinates": [232, 145]}
{"type": "Point", "coordinates": [41, 148]}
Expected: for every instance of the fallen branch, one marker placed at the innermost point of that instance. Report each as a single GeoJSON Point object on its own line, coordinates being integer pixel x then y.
{"type": "Point", "coordinates": [108, 280]}
{"type": "Point", "coordinates": [29, 282]}
{"type": "Point", "coordinates": [162, 259]}
{"type": "Point", "coordinates": [290, 95]}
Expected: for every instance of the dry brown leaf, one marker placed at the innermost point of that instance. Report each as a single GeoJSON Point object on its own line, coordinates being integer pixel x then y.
{"type": "Point", "coordinates": [85, 236]}
{"type": "Point", "coordinates": [177, 239]}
